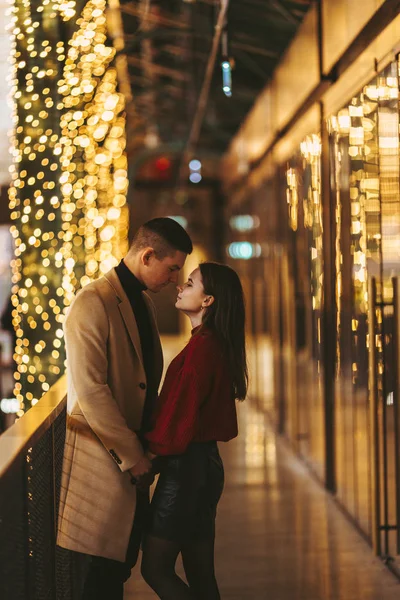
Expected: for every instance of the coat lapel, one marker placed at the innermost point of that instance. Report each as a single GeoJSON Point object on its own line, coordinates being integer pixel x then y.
{"type": "Point", "coordinates": [130, 323]}
{"type": "Point", "coordinates": [126, 311]}
{"type": "Point", "coordinates": [158, 353]}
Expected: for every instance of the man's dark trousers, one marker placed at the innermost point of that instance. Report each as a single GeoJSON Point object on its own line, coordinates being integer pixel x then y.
{"type": "Point", "coordinates": [105, 577]}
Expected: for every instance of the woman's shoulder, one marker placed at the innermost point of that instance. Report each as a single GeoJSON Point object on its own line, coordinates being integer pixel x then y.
{"type": "Point", "coordinates": [203, 335]}
{"type": "Point", "coordinates": [203, 342]}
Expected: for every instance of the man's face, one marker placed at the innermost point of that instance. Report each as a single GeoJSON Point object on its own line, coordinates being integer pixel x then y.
{"type": "Point", "coordinates": [158, 273]}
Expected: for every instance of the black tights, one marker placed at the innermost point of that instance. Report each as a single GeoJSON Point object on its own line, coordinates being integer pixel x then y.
{"type": "Point", "coordinates": [158, 569]}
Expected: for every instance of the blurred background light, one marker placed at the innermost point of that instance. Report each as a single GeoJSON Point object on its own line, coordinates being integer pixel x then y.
{"type": "Point", "coordinates": [244, 222]}
{"type": "Point", "coordinates": [243, 250]}
{"type": "Point", "coordinates": [195, 165]}
{"type": "Point", "coordinates": [9, 405]}
{"type": "Point", "coordinates": [195, 177]}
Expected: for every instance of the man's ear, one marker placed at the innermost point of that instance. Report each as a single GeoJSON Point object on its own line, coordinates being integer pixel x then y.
{"type": "Point", "coordinates": [147, 253]}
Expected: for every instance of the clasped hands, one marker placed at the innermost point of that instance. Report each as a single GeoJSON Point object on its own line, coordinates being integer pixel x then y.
{"type": "Point", "coordinates": [142, 474]}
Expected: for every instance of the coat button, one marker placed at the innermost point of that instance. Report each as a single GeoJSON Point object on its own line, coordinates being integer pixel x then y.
{"type": "Point", "coordinates": [142, 386]}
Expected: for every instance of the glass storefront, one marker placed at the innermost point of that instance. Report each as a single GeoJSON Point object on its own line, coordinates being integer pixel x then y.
{"type": "Point", "coordinates": [303, 193]}
{"type": "Point", "coordinates": [359, 449]}
{"type": "Point", "coordinates": [364, 147]}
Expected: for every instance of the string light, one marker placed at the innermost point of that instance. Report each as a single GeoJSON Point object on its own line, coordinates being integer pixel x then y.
{"type": "Point", "coordinates": [69, 177]}
{"type": "Point", "coordinates": [36, 59]}
{"type": "Point", "coordinates": [95, 181]}
{"type": "Point", "coordinates": [292, 197]}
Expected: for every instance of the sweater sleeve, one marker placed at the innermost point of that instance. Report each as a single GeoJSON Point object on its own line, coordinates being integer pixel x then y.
{"type": "Point", "coordinates": [178, 412]}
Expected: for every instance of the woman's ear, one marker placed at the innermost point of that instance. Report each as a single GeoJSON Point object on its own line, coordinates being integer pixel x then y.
{"type": "Point", "coordinates": [208, 301]}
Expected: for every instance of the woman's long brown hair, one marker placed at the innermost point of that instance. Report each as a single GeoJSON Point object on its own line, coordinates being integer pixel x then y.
{"type": "Point", "coordinates": [226, 316]}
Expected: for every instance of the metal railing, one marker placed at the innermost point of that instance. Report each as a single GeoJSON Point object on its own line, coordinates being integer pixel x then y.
{"type": "Point", "coordinates": [384, 391]}
{"type": "Point", "coordinates": [31, 452]}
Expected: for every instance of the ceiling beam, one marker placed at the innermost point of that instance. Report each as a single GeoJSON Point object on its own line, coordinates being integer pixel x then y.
{"type": "Point", "coordinates": [159, 69]}
{"type": "Point", "coordinates": [285, 12]}
{"type": "Point", "coordinates": [247, 47]}
{"type": "Point", "coordinates": [274, 54]}
{"type": "Point", "coordinates": [252, 65]}
{"type": "Point", "coordinates": [155, 19]}
{"type": "Point", "coordinates": [205, 89]}
{"type": "Point", "coordinates": [262, 15]}
{"type": "Point", "coordinates": [259, 31]}
{"type": "Point", "coordinates": [135, 38]}
{"type": "Point", "coordinates": [176, 50]}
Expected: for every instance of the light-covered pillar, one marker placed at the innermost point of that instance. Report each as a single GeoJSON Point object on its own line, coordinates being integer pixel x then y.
{"type": "Point", "coordinates": [69, 173]}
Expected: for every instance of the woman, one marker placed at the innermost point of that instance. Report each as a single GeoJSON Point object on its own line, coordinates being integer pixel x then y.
{"type": "Point", "coordinates": [196, 409]}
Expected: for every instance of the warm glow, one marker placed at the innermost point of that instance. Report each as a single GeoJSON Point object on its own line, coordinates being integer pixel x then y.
{"type": "Point", "coordinates": [69, 177]}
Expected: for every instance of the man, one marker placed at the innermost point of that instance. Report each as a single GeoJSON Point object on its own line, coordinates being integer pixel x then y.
{"type": "Point", "coordinates": [114, 370]}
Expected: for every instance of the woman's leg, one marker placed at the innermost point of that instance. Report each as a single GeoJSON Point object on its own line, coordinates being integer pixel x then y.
{"type": "Point", "coordinates": [198, 555]}
{"type": "Point", "coordinates": [198, 562]}
{"type": "Point", "coordinates": [158, 569]}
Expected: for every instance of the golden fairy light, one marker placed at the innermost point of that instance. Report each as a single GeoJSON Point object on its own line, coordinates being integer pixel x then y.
{"type": "Point", "coordinates": [308, 160]}
{"type": "Point", "coordinates": [69, 177]}
{"type": "Point", "coordinates": [312, 208]}
{"type": "Point", "coordinates": [37, 56]}
{"type": "Point", "coordinates": [292, 197]}
{"type": "Point", "coordinates": [95, 178]}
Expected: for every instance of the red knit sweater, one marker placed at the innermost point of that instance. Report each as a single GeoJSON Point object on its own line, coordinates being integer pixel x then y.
{"type": "Point", "coordinates": [196, 403]}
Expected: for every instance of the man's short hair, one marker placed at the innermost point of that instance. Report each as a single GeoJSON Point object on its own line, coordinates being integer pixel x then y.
{"type": "Point", "coordinates": [163, 234]}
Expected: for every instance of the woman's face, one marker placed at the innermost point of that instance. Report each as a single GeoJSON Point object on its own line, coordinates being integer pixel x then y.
{"type": "Point", "coordinates": [191, 297]}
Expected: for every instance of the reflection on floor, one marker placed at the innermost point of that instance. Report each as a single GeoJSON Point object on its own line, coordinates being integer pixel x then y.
{"type": "Point", "coordinates": [279, 535]}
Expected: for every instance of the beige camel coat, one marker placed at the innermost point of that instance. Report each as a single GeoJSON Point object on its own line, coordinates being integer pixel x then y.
{"type": "Point", "coordinates": [106, 393]}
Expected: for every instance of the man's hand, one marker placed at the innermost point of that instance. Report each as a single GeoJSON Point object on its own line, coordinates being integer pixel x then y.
{"type": "Point", "coordinates": [145, 481]}
{"type": "Point", "coordinates": [141, 468]}
{"type": "Point", "coordinates": [155, 462]}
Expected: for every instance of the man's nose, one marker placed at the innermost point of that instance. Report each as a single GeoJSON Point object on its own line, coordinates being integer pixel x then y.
{"type": "Point", "coordinates": [174, 277]}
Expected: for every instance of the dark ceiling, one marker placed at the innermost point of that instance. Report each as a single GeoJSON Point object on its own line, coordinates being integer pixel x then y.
{"type": "Point", "coordinates": [168, 44]}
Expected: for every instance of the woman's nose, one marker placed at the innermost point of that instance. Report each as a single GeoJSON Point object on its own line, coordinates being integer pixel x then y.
{"type": "Point", "coordinates": [179, 288]}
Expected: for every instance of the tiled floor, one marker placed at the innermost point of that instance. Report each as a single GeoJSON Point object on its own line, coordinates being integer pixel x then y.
{"type": "Point", "coordinates": [280, 536]}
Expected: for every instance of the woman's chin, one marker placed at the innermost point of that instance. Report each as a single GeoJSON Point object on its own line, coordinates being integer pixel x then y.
{"type": "Point", "coordinates": [178, 306]}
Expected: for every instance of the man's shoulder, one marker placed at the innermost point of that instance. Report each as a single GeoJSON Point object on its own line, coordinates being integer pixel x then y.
{"type": "Point", "coordinates": [99, 291]}
{"type": "Point", "coordinates": [94, 288]}
{"type": "Point", "coordinates": [98, 286]}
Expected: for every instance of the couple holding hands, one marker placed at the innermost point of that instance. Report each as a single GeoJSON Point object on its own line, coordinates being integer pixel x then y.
{"type": "Point", "coordinates": [121, 431]}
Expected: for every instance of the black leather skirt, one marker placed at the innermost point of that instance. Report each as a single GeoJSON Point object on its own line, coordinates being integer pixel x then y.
{"type": "Point", "coordinates": [184, 504]}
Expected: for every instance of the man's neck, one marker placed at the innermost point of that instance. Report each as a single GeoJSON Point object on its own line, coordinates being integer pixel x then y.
{"type": "Point", "coordinates": [133, 265]}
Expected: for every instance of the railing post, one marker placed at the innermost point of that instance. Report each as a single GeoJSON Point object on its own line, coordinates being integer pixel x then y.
{"type": "Point", "coordinates": [54, 515]}
{"type": "Point", "coordinates": [30, 468]}
{"type": "Point", "coordinates": [396, 398]}
{"type": "Point", "coordinates": [374, 407]}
